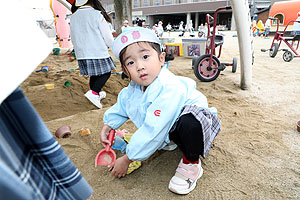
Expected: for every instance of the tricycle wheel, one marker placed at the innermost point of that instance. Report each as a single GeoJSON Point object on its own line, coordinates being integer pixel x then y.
{"type": "Point", "coordinates": [274, 49]}
{"type": "Point", "coordinates": [287, 56]}
{"type": "Point", "coordinates": [234, 64]}
{"type": "Point", "coordinates": [193, 61]}
{"type": "Point", "coordinates": [203, 71]}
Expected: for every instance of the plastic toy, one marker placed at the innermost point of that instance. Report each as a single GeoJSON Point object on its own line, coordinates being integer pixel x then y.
{"type": "Point", "coordinates": [207, 67]}
{"type": "Point", "coordinates": [121, 140]}
{"type": "Point", "coordinates": [63, 132]}
{"type": "Point", "coordinates": [85, 131]}
{"type": "Point", "coordinates": [289, 41]}
{"type": "Point", "coordinates": [56, 51]}
{"type": "Point", "coordinates": [133, 166]}
{"type": "Point", "coordinates": [44, 69]}
{"type": "Point", "coordinates": [49, 86]}
{"type": "Point", "coordinates": [106, 156]}
{"type": "Point", "coordinates": [119, 144]}
{"type": "Point", "coordinates": [67, 84]}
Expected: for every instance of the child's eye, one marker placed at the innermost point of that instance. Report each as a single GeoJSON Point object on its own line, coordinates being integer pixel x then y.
{"type": "Point", "coordinates": [145, 56]}
{"type": "Point", "coordinates": [130, 63]}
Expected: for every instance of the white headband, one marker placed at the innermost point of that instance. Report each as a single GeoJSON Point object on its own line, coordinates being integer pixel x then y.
{"type": "Point", "coordinates": [80, 2]}
{"type": "Point", "coordinates": [132, 35]}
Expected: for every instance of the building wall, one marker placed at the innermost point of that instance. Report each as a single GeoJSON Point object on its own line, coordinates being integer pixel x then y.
{"type": "Point", "coordinates": [263, 16]}
{"type": "Point", "coordinates": [175, 11]}
{"type": "Point", "coordinates": [205, 6]}
{"type": "Point", "coordinates": [178, 11]}
{"type": "Point", "coordinates": [147, 3]}
{"type": "Point", "coordinates": [273, 1]}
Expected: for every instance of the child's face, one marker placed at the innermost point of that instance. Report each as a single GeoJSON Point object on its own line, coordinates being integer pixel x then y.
{"type": "Point", "coordinates": [143, 63]}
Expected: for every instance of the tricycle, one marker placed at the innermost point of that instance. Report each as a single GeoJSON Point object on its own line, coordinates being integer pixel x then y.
{"type": "Point", "coordinates": [207, 67]}
{"type": "Point", "coordinates": [289, 41]}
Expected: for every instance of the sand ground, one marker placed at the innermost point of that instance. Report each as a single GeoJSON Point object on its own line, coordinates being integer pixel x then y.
{"type": "Point", "coordinates": [255, 156]}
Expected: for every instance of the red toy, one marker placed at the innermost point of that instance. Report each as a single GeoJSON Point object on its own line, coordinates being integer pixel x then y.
{"type": "Point", "coordinates": [107, 156]}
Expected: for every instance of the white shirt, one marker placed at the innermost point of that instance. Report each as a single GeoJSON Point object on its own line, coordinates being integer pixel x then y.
{"type": "Point", "coordinates": [91, 34]}
{"type": "Point", "coordinates": [160, 29]}
{"type": "Point", "coordinates": [169, 27]}
{"type": "Point", "coordinates": [181, 27]}
{"type": "Point", "coordinates": [123, 27]}
{"type": "Point", "coordinates": [296, 26]}
{"type": "Point", "coordinates": [268, 23]}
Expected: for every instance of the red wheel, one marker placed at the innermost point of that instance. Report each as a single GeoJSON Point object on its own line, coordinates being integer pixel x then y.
{"type": "Point", "coordinates": [203, 71]}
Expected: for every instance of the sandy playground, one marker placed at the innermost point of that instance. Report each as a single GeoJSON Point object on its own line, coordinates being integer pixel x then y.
{"type": "Point", "coordinates": [255, 156]}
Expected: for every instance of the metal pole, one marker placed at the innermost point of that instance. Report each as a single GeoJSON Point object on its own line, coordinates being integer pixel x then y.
{"type": "Point", "coordinates": [241, 13]}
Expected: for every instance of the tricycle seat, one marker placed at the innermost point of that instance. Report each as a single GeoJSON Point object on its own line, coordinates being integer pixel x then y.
{"type": "Point", "coordinates": [219, 40]}
{"type": "Point", "coordinates": [295, 38]}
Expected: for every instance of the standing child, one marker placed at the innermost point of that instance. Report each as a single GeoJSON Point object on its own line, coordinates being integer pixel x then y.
{"type": "Point", "coordinates": [125, 25]}
{"type": "Point", "coordinates": [181, 29]}
{"type": "Point", "coordinates": [163, 107]}
{"type": "Point", "coordinates": [160, 29]}
{"type": "Point", "coordinates": [190, 28]}
{"type": "Point", "coordinates": [296, 27]}
{"type": "Point", "coordinates": [91, 36]}
{"type": "Point", "coordinates": [267, 27]}
{"type": "Point", "coordinates": [169, 28]}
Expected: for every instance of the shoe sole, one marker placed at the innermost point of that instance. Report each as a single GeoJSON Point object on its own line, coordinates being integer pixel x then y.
{"type": "Point", "coordinates": [191, 188]}
{"type": "Point", "coordinates": [170, 147]}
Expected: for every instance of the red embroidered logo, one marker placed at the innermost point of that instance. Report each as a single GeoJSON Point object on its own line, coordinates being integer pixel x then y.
{"type": "Point", "coordinates": [157, 112]}
{"type": "Point", "coordinates": [124, 39]}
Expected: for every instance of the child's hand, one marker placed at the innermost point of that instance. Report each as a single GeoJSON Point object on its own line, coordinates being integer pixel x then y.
{"type": "Point", "coordinates": [103, 135]}
{"type": "Point", "coordinates": [120, 166]}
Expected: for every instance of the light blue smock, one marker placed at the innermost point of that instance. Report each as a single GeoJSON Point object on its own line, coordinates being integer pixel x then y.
{"type": "Point", "coordinates": [153, 111]}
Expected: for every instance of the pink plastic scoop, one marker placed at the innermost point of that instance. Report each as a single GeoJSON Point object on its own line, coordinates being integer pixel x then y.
{"type": "Point", "coordinates": [106, 156]}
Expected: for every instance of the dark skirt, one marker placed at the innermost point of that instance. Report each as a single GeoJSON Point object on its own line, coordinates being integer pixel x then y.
{"type": "Point", "coordinates": [95, 67]}
{"type": "Point", "coordinates": [211, 124]}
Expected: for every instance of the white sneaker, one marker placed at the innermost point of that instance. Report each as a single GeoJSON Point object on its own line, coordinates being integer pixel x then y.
{"type": "Point", "coordinates": [95, 99]}
{"type": "Point", "coordinates": [170, 147]}
{"type": "Point", "coordinates": [102, 95]}
{"type": "Point", "coordinates": [185, 178]}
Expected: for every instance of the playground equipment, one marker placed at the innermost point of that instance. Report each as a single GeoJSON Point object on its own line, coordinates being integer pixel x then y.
{"type": "Point", "coordinates": [61, 25]}
{"type": "Point", "coordinates": [289, 41]}
{"type": "Point", "coordinates": [258, 29]}
{"type": "Point", "coordinates": [284, 10]}
{"type": "Point", "coordinates": [207, 67]}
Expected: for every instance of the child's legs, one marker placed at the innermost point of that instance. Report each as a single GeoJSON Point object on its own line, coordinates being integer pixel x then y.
{"type": "Point", "coordinates": [97, 82]}
{"type": "Point", "coordinates": [188, 135]}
